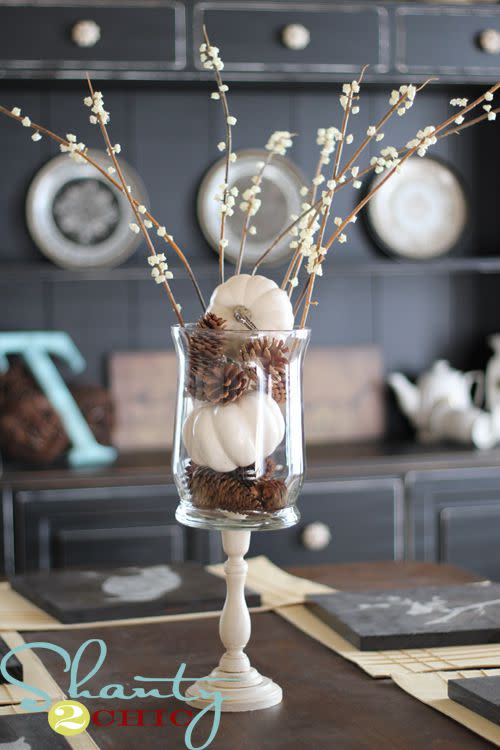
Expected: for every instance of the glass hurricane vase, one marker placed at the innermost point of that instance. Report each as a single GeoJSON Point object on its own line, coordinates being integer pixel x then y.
{"type": "Point", "coordinates": [238, 456]}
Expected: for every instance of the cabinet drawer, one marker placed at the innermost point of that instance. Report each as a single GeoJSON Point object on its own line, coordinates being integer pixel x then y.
{"type": "Point", "coordinates": [97, 526]}
{"type": "Point", "coordinates": [454, 517]}
{"type": "Point", "coordinates": [470, 538]}
{"type": "Point", "coordinates": [250, 36]}
{"type": "Point", "coordinates": [143, 35]}
{"type": "Point", "coordinates": [364, 519]}
{"type": "Point", "coordinates": [446, 40]}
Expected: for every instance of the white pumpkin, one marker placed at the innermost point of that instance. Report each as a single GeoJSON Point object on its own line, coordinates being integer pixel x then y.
{"type": "Point", "coordinates": [268, 306]}
{"type": "Point", "coordinates": [225, 437]}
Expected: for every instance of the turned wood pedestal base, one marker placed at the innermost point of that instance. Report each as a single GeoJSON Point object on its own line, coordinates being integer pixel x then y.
{"type": "Point", "coordinates": [240, 685]}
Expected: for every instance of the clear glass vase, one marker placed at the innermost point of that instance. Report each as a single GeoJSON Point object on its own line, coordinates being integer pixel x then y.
{"type": "Point", "coordinates": [238, 455]}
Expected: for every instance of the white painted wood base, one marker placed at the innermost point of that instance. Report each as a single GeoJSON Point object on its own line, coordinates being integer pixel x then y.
{"type": "Point", "coordinates": [241, 686]}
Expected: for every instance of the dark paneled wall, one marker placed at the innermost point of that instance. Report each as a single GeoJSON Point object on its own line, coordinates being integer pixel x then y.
{"type": "Point", "coordinates": [169, 134]}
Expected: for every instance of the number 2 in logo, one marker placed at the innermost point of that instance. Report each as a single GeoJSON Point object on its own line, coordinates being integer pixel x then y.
{"type": "Point", "coordinates": [68, 718]}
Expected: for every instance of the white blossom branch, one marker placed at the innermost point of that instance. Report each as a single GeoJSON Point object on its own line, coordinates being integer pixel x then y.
{"type": "Point", "coordinates": [133, 206]}
{"type": "Point", "coordinates": [229, 121]}
{"type": "Point", "coordinates": [420, 145]}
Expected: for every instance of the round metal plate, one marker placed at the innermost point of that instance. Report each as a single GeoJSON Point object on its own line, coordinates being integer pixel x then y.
{"type": "Point", "coordinates": [77, 218]}
{"type": "Point", "coordinates": [419, 213]}
{"type": "Point", "coordinates": [280, 197]}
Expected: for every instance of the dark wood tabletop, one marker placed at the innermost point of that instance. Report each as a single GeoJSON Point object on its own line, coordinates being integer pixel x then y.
{"type": "Point", "coordinates": [329, 703]}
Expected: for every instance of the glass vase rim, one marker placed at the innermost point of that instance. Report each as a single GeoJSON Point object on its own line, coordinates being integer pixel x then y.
{"type": "Point", "coordinates": [191, 327]}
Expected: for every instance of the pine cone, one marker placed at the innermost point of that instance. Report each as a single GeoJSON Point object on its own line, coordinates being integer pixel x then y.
{"type": "Point", "coordinates": [233, 492]}
{"type": "Point", "coordinates": [211, 321]}
{"type": "Point", "coordinates": [204, 351]}
{"type": "Point", "coordinates": [271, 494]}
{"type": "Point", "coordinates": [268, 355]}
{"type": "Point", "coordinates": [225, 383]}
{"type": "Point", "coordinates": [212, 489]}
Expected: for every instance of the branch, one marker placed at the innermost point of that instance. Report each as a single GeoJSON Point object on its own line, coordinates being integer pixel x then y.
{"type": "Point", "coordinates": [229, 146]}
{"type": "Point", "coordinates": [63, 142]}
{"type": "Point", "coordinates": [132, 203]}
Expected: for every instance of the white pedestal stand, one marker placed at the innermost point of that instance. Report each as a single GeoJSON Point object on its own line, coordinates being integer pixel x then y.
{"type": "Point", "coordinates": [242, 687]}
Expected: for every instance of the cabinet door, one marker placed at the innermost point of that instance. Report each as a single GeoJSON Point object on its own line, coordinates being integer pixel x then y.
{"type": "Point", "coordinates": [39, 39]}
{"type": "Point", "coordinates": [341, 521]}
{"type": "Point", "coordinates": [448, 41]}
{"type": "Point", "coordinates": [254, 38]}
{"type": "Point", "coordinates": [454, 517]}
{"type": "Point", "coordinates": [97, 526]}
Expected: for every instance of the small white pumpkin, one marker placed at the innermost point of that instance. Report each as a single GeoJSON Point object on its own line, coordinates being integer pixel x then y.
{"type": "Point", "coordinates": [267, 306]}
{"type": "Point", "coordinates": [225, 437]}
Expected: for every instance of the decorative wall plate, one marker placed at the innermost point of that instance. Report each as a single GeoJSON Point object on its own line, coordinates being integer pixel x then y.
{"type": "Point", "coordinates": [77, 219]}
{"type": "Point", "coordinates": [420, 213]}
{"type": "Point", "coordinates": [280, 198]}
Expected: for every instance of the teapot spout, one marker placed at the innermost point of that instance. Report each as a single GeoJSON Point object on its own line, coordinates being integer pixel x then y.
{"type": "Point", "coordinates": [407, 394]}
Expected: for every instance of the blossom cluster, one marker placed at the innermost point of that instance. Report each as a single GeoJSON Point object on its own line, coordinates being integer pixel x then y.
{"type": "Point", "coordinates": [406, 95]}
{"type": "Point", "coordinates": [348, 92]}
{"type": "Point", "coordinates": [227, 198]}
{"type": "Point", "coordinates": [159, 270]}
{"type": "Point", "coordinates": [304, 232]}
{"type": "Point", "coordinates": [73, 148]}
{"type": "Point", "coordinates": [388, 159]}
{"type": "Point", "coordinates": [251, 203]}
{"type": "Point", "coordinates": [279, 142]}
{"type": "Point", "coordinates": [424, 139]}
{"type": "Point", "coordinates": [96, 104]}
{"type": "Point", "coordinates": [209, 56]}
{"type": "Point", "coordinates": [327, 137]}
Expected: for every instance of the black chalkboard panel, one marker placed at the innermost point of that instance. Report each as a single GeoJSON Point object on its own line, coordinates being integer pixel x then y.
{"type": "Point", "coordinates": [413, 618]}
{"type": "Point", "coordinates": [14, 666]}
{"type": "Point", "coordinates": [29, 732]}
{"type": "Point", "coordinates": [479, 694]}
{"type": "Point", "coordinates": [85, 595]}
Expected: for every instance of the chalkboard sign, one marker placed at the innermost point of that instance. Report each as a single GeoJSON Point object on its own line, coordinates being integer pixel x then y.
{"type": "Point", "coordinates": [29, 732]}
{"type": "Point", "coordinates": [413, 618]}
{"type": "Point", "coordinates": [479, 694]}
{"type": "Point", "coordinates": [14, 666]}
{"type": "Point", "coordinates": [86, 595]}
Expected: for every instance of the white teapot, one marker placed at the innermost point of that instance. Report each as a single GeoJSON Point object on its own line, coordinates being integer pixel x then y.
{"type": "Point", "coordinates": [441, 405]}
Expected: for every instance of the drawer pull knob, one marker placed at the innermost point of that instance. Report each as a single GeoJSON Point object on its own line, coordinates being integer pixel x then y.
{"type": "Point", "coordinates": [295, 36]}
{"type": "Point", "coordinates": [86, 33]}
{"type": "Point", "coordinates": [489, 41]}
{"type": "Point", "coordinates": [316, 536]}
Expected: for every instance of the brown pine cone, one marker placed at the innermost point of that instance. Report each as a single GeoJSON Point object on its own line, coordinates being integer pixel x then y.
{"type": "Point", "coordinates": [229, 491]}
{"type": "Point", "coordinates": [205, 350]}
{"type": "Point", "coordinates": [225, 383]}
{"type": "Point", "coordinates": [271, 494]}
{"type": "Point", "coordinates": [270, 356]}
{"type": "Point", "coordinates": [211, 321]}
{"type": "Point", "coordinates": [212, 489]}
